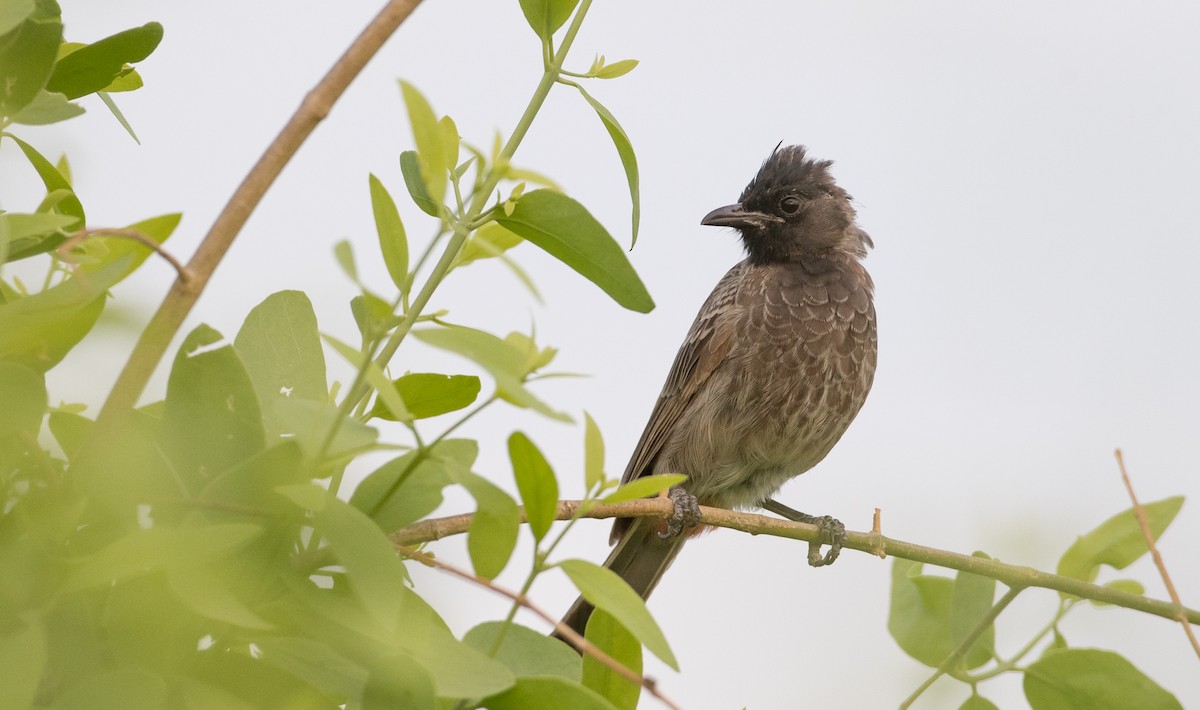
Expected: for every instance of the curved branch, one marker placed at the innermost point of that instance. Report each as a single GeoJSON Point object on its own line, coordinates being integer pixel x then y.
{"type": "Point", "coordinates": [313, 109]}
{"type": "Point", "coordinates": [132, 235]}
{"type": "Point", "coordinates": [873, 543]}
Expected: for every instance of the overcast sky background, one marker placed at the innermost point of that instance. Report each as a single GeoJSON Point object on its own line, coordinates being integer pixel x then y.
{"type": "Point", "coordinates": [1029, 173]}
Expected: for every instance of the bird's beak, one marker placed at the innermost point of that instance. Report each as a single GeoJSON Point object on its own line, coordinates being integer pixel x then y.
{"type": "Point", "coordinates": [738, 216]}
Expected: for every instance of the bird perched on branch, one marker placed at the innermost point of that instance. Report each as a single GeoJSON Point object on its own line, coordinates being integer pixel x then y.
{"type": "Point", "coordinates": [774, 369]}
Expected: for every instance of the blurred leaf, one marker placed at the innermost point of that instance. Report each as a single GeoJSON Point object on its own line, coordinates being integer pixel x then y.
{"type": "Point", "coordinates": [593, 455]}
{"type": "Point", "coordinates": [536, 483]}
{"type": "Point", "coordinates": [1090, 679]}
{"type": "Point", "coordinates": [23, 655]}
{"type": "Point", "coordinates": [13, 13]}
{"type": "Point", "coordinates": [978, 702]}
{"type": "Point", "coordinates": [625, 151]}
{"type": "Point", "coordinates": [39, 330]}
{"type": "Point", "coordinates": [24, 399]}
{"type": "Point", "coordinates": [400, 493]}
{"type": "Point", "coordinates": [1130, 586]}
{"type": "Point", "coordinates": [211, 420]}
{"type": "Point", "coordinates": [972, 600]}
{"type": "Point", "coordinates": [27, 53]}
{"type": "Point", "coordinates": [430, 141]}
{"type": "Point", "coordinates": [399, 681]}
{"type": "Point", "coordinates": [51, 178]}
{"type": "Point", "coordinates": [489, 241]}
{"type": "Point", "coordinates": [427, 394]}
{"type": "Point", "coordinates": [393, 243]}
{"type": "Point", "coordinates": [604, 589]}
{"type": "Point", "coordinates": [919, 617]}
{"type": "Point", "coordinates": [123, 687]}
{"type": "Point", "coordinates": [127, 80]}
{"type": "Point", "coordinates": [47, 107]}
{"type": "Point", "coordinates": [69, 431]}
{"type": "Point", "coordinates": [315, 662]}
{"type": "Point", "coordinates": [310, 422]}
{"type": "Point", "coordinates": [375, 377]}
{"type": "Point", "coordinates": [616, 69]}
{"type": "Point", "coordinates": [493, 532]}
{"type": "Point", "coordinates": [644, 487]}
{"type": "Point", "coordinates": [91, 68]}
{"type": "Point", "coordinates": [343, 252]}
{"type": "Point", "coordinates": [504, 362]}
{"type": "Point", "coordinates": [372, 315]}
{"type": "Point", "coordinates": [1117, 542]}
{"type": "Point", "coordinates": [156, 229]}
{"type": "Point", "coordinates": [526, 652]}
{"type": "Point", "coordinates": [547, 693]}
{"type": "Point", "coordinates": [418, 190]}
{"type": "Point", "coordinates": [564, 228]}
{"type": "Point", "coordinates": [449, 140]}
{"type": "Point", "coordinates": [252, 482]}
{"type": "Point", "coordinates": [533, 176]}
{"type": "Point", "coordinates": [280, 348]}
{"type": "Point", "coordinates": [25, 235]}
{"type": "Point", "coordinates": [546, 16]}
{"type": "Point", "coordinates": [609, 636]}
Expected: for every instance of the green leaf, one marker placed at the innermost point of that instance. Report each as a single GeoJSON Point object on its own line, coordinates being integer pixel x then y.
{"type": "Point", "coordinates": [506, 363]}
{"type": "Point", "coordinates": [616, 69]}
{"type": "Point", "coordinates": [70, 431]}
{"type": "Point", "coordinates": [536, 483]}
{"type": "Point", "coordinates": [127, 80]}
{"type": "Point", "coordinates": [493, 532]}
{"type": "Point", "coordinates": [978, 702]}
{"type": "Point", "coordinates": [374, 375]}
{"type": "Point", "coordinates": [426, 394]}
{"type": "Point", "coordinates": [393, 243]}
{"type": "Point", "coordinates": [604, 589]}
{"type": "Point", "coordinates": [47, 107]}
{"type": "Point", "coordinates": [372, 315]}
{"type": "Point", "coordinates": [400, 492]}
{"type": "Point", "coordinates": [24, 400]}
{"type": "Point", "coordinates": [547, 693]}
{"type": "Point", "coordinates": [116, 112]}
{"type": "Point", "coordinates": [279, 345]}
{"type": "Point", "coordinates": [25, 235]}
{"type": "Point", "coordinates": [91, 68]}
{"type": "Point", "coordinates": [1117, 542]}
{"type": "Point", "coordinates": [526, 652]}
{"type": "Point", "coordinates": [39, 330]}
{"type": "Point", "coordinates": [156, 229]}
{"type": "Point", "coordinates": [593, 455]}
{"type": "Point", "coordinates": [625, 151]}
{"type": "Point", "coordinates": [430, 140]}
{"type": "Point", "coordinates": [399, 681]}
{"type": "Point", "coordinates": [971, 601]}
{"type": "Point", "coordinates": [1091, 679]}
{"type": "Point", "coordinates": [490, 240]}
{"type": "Point", "coordinates": [310, 422]}
{"type": "Point", "coordinates": [450, 140]}
{"type": "Point", "coordinates": [13, 13]}
{"type": "Point", "coordinates": [919, 617]}
{"type": "Point", "coordinates": [343, 252]}
{"type": "Point", "coordinates": [609, 636]}
{"type": "Point", "coordinates": [546, 16]}
{"type": "Point", "coordinates": [566, 230]}
{"type": "Point", "coordinates": [644, 487]}
{"type": "Point", "coordinates": [23, 652]}
{"type": "Point", "coordinates": [410, 168]}
{"type": "Point", "coordinates": [27, 53]}
{"type": "Point", "coordinates": [51, 178]}
{"type": "Point", "coordinates": [211, 420]}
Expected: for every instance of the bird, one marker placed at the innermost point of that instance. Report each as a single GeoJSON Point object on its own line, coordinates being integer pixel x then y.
{"type": "Point", "coordinates": [777, 364]}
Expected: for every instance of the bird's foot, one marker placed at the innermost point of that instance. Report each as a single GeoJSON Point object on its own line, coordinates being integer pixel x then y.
{"type": "Point", "coordinates": [685, 515]}
{"type": "Point", "coordinates": [833, 532]}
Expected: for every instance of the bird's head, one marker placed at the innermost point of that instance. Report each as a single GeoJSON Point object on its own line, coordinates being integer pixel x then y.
{"type": "Point", "coordinates": [793, 209]}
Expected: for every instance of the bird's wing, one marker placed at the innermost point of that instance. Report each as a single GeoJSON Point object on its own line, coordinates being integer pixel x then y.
{"type": "Point", "coordinates": [707, 344]}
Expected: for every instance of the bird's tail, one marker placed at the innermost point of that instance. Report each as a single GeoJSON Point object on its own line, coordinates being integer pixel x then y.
{"type": "Point", "coordinates": [641, 558]}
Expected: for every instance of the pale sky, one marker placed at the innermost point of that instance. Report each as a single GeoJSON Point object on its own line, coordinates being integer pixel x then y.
{"type": "Point", "coordinates": [1028, 172]}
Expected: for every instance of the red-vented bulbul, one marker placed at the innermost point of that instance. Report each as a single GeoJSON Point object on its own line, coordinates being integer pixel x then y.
{"type": "Point", "coordinates": [773, 370]}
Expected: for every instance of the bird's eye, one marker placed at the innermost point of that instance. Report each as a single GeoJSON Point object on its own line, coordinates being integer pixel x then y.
{"type": "Point", "coordinates": [790, 204]}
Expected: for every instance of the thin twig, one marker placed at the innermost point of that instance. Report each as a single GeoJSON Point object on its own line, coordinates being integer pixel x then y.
{"type": "Point", "coordinates": [313, 109]}
{"type": "Point", "coordinates": [578, 641]}
{"type": "Point", "coordinates": [1140, 512]}
{"type": "Point", "coordinates": [125, 233]}
{"type": "Point", "coordinates": [1011, 575]}
{"type": "Point", "coordinates": [961, 650]}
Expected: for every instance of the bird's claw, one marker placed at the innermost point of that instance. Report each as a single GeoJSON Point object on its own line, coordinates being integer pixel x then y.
{"type": "Point", "coordinates": [686, 512]}
{"type": "Point", "coordinates": [833, 533]}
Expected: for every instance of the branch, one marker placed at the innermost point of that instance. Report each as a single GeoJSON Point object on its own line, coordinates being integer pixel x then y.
{"type": "Point", "coordinates": [1140, 512]}
{"type": "Point", "coordinates": [579, 642]}
{"type": "Point", "coordinates": [126, 233]}
{"type": "Point", "coordinates": [873, 543]}
{"type": "Point", "coordinates": [313, 109]}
